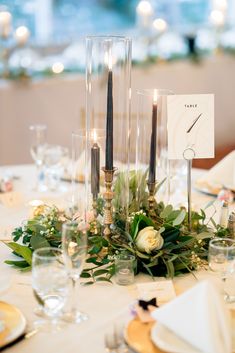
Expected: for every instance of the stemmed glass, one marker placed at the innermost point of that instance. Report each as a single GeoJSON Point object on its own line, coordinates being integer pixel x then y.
{"type": "Point", "coordinates": [74, 243]}
{"type": "Point", "coordinates": [50, 284]}
{"type": "Point", "coordinates": [221, 258]}
{"type": "Point", "coordinates": [37, 146]}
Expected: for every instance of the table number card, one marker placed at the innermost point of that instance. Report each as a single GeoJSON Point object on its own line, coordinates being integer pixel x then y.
{"type": "Point", "coordinates": [190, 126]}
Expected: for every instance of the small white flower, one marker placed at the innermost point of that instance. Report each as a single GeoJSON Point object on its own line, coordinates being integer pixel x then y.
{"type": "Point", "coordinates": [149, 239]}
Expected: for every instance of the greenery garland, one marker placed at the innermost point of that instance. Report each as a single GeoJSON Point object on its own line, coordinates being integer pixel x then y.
{"type": "Point", "coordinates": [160, 240]}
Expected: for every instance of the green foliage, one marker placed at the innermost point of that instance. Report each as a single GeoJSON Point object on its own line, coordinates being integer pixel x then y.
{"type": "Point", "coordinates": [182, 250]}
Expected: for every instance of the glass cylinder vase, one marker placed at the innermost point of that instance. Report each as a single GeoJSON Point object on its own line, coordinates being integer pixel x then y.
{"type": "Point", "coordinates": [108, 64]}
{"type": "Point", "coordinates": [152, 165]}
{"type": "Point", "coordinates": [86, 171]}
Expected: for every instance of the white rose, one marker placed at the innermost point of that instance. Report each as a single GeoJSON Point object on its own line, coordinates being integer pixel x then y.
{"type": "Point", "coordinates": [149, 239]}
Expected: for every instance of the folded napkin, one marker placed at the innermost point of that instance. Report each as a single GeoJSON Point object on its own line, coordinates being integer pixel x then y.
{"type": "Point", "coordinates": [222, 174]}
{"type": "Point", "coordinates": [199, 317]}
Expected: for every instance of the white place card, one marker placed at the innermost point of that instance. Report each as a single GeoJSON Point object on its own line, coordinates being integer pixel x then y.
{"type": "Point", "coordinates": [190, 124]}
{"type": "Point", "coordinates": [164, 291]}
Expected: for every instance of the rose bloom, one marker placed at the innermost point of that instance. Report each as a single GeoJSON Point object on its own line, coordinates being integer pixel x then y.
{"type": "Point", "coordinates": [149, 239]}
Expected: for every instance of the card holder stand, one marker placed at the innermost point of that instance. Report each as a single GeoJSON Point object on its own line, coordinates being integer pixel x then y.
{"type": "Point", "coordinates": [188, 155]}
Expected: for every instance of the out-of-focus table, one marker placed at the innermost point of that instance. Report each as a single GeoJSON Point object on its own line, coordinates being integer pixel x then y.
{"type": "Point", "coordinates": [60, 102]}
{"type": "Point", "coordinates": [104, 303]}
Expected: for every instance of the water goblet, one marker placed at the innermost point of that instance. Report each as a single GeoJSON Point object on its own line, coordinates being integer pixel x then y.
{"type": "Point", "coordinates": [50, 284]}
{"type": "Point", "coordinates": [55, 160]}
{"type": "Point", "coordinates": [37, 148]}
{"type": "Point", "coordinates": [74, 243]}
{"type": "Point", "coordinates": [221, 259]}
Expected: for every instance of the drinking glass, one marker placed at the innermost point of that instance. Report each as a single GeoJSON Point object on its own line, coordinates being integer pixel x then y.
{"type": "Point", "coordinates": [37, 147]}
{"type": "Point", "coordinates": [124, 269]}
{"type": "Point", "coordinates": [74, 243]}
{"type": "Point", "coordinates": [55, 159]}
{"type": "Point", "coordinates": [50, 284]}
{"type": "Point", "coordinates": [221, 259]}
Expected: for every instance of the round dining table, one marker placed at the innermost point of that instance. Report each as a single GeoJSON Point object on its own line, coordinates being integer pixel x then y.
{"type": "Point", "coordinates": [105, 303]}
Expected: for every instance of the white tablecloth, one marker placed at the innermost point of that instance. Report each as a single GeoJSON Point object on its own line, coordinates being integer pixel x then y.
{"type": "Point", "coordinates": [104, 303]}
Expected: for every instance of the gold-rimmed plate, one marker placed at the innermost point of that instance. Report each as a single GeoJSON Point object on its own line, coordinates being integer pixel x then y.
{"type": "Point", "coordinates": [13, 323]}
{"type": "Point", "coordinates": [138, 337]}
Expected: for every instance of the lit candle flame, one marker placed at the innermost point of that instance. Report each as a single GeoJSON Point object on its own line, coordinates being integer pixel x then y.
{"type": "Point", "coordinates": [108, 60]}
{"type": "Point", "coordinates": [95, 136]}
{"type": "Point", "coordinates": [154, 96]}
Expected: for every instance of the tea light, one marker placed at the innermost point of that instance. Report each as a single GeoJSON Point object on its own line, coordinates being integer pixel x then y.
{"type": "Point", "coordinates": [22, 35]}
{"type": "Point", "coordinates": [144, 12]}
{"type": "Point", "coordinates": [57, 68]}
{"type": "Point", "coordinates": [5, 23]}
{"type": "Point", "coordinates": [160, 25]}
{"type": "Point", "coordinates": [217, 18]}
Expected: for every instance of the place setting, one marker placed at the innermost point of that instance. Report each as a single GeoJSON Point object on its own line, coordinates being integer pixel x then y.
{"type": "Point", "coordinates": [111, 240]}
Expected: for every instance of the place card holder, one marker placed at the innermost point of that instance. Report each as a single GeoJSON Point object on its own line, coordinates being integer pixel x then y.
{"type": "Point", "coordinates": [188, 155]}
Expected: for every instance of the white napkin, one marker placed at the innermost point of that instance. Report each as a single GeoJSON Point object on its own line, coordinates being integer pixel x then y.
{"type": "Point", "coordinates": [222, 174]}
{"type": "Point", "coordinates": [200, 317]}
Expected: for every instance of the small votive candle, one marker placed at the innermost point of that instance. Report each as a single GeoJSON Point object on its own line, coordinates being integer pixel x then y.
{"type": "Point", "coordinates": [124, 269]}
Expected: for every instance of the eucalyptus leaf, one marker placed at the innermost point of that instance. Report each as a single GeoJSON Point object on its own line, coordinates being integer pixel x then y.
{"type": "Point", "coordinates": [100, 272]}
{"type": "Point", "coordinates": [167, 210]}
{"type": "Point", "coordinates": [159, 185]}
{"type": "Point", "coordinates": [21, 250]}
{"type": "Point", "coordinates": [204, 235]}
{"type": "Point", "coordinates": [180, 218]}
{"type": "Point", "coordinates": [38, 241]}
{"type": "Point", "coordinates": [103, 279]}
{"type": "Point", "coordinates": [85, 275]}
{"type": "Point", "coordinates": [20, 264]}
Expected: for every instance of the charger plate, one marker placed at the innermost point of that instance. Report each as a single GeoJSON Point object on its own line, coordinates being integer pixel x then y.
{"type": "Point", "coordinates": [141, 337]}
{"type": "Point", "coordinates": [13, 323]}
{"type": "Point", "coordinates": [138, 337]}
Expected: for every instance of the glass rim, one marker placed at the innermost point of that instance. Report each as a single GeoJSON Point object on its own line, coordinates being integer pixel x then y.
{"type": "Point", "coordinates": [38, 126]}
{"type": "Point", "coordinates": [150, 91]}
{"type": "Point", "coordinates": [82, 133]}
{"type": "Point", "coordinates": [108, 38]}
{"type": "Point", "coordinates": [70, 225]}
{"type": "Point", "coordinates": [128, 257]}
{"type": "Point", "coordinates": [211, 243]}
{"type": "Point", "coordinates": [35, 253]}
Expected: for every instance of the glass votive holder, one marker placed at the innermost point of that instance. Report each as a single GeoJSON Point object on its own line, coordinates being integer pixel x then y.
{"type": "Point", "coordinates": [124, 269]}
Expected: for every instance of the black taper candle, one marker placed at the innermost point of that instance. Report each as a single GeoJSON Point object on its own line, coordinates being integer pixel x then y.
{"type": "Point", "coordinates": [95, 170]}
{"type": "Point", "coordinates": [153, 146]}
{"type": "Point", "coordinates": [109, 124]}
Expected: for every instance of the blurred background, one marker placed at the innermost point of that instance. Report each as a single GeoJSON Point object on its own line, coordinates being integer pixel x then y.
{"type": "Point", "coordinates": [187, 46]}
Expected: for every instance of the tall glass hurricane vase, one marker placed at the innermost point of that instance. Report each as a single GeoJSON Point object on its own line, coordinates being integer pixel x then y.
{"type": "Point", "coordinates": [108, 65]}
{"type": "Point", "coordinates": [152, 165]}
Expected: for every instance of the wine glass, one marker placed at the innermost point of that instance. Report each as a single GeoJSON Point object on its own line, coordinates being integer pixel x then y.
{"type": "Point", "coordinates": [221, 257]}
{"type": "Point", "coordinates": [55, 159]}
{"type": "Point", "coordinates": [74, 243]}
{"type": "Point", "coordinates": [37, 146]}
{"type": "Point", "coordinates": [50, 284]}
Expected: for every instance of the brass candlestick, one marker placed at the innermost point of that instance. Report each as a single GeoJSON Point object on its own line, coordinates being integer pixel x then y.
{"type": "Point", "coordinates": [94, 207]}
{"type": "Point", "coordinates": [108, 196]}
{"type": "Point", "coordinates": [151, 198]}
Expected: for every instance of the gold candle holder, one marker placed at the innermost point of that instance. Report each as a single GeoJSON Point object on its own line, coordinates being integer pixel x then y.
{"type": "Point", "coordinates": [94, 207]}
{"type": "Point", "coordinates": [108, 197]}
{"type": "Point", "coordinates": [151, 198]}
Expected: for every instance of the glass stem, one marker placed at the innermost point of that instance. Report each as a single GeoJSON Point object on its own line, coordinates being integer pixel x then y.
{"type": "Point", "coordinates": [74, 294]}
{"type": "Point", "coordinates": [39, 173]}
